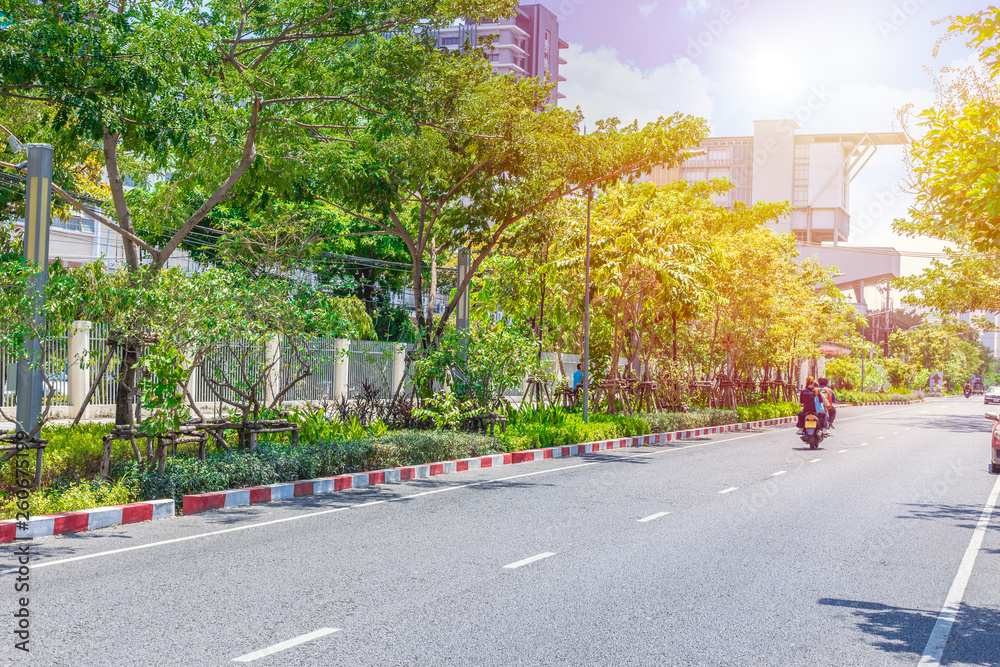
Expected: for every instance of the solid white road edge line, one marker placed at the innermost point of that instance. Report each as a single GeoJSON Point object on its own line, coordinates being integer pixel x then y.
{"type": "Point", "coordinates": [281, 646]}
{"type": "Point", "coordinates": [526, 561]}
{"type": "Point", "coordinates": [729, 490]}
{"type": "Point", "coordinates": [946, 619]}
{"type": "Point", "coordinates": [653, 516]}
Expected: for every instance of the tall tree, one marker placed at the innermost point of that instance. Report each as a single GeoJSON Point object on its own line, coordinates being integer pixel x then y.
{"type": "Point", "coordinates": [493, 155]}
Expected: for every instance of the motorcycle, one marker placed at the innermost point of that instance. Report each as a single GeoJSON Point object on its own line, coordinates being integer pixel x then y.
{"type": "Point", "coordinates": [968, 391]}
{"type": "Point", "coordinates": [814, 434]}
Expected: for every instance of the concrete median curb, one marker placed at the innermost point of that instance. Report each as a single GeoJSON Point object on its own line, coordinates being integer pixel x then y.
{"type": "Point", "coordinates": [117, 515]}
{"type": "Point", "coordinates": [90, 519]}
{"type": "Point", "coordinates": [201, 502]}
{"type": "Point", "coordinates": [877, 403]}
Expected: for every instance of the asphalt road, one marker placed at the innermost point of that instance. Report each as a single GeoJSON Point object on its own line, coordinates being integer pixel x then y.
{"type": "Point", "coordinates": [739, 549]}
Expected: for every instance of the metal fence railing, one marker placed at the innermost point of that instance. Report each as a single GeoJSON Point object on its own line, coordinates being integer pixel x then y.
{"type": "Point", "coordinates": [238, 363]}
{"type": "Point", "coordinates": [319, 354]}
{"type": "Point", "coordinates": [229, 369]}
{"type": "Point", "coordinates": [370, 365]}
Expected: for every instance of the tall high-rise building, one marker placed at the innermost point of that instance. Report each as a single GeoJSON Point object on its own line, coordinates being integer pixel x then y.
{"type": "Point", "coordinates": [526, 44]}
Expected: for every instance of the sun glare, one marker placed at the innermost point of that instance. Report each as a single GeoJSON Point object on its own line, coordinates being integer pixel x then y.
{"type": "Point", "coordinates": [773, 72]}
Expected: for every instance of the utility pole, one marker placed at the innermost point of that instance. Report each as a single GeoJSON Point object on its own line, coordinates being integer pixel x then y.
{"type": "Point", "coordinates": [37, 200]}
{"type": "Point", "coordinates": [586, 314]}
{"type": "Point", "coordinates": [462, 311]}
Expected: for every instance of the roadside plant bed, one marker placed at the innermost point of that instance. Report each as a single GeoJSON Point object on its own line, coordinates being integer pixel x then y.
{"type": "Point", "coordinates": [278, 462]}
{"type": "Point", "coordinates": [852, 396]}
{"type": "Point", "coordinates": [272, 463]}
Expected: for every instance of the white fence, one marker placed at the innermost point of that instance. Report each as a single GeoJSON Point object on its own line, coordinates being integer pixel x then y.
{"type": "Point", "coordinates": [340, 369]}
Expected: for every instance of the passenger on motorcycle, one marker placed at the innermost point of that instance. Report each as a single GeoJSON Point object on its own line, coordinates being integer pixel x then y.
{"type": "Point", "coordinates": [810, 402]}
{"type": "Point", "coordinates": [829, 400]}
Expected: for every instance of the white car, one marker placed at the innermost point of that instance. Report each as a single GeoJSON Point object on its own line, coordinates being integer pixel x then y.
{"type": "Point", "coordinates": [992, 395]}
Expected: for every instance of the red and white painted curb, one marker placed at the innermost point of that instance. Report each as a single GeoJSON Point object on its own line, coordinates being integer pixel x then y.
{"type": "Point", "coordinates": [201, 502]}
{"type": "Point", "coordinates": [106, 517]}
{"type": "Point", "coordinates": [885, 403]}
{"type": "Point", "coordinates": [92, 519]}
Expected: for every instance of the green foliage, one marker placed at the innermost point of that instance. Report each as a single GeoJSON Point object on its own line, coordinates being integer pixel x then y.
{"type": "Point", "coordinates": [446, 410]}
{"type": "Point", "coordinates": [315, 425]}
{"type": "Point", "coordinates": [274, 462]}
{"type": "Point", "coordinates": [528, 433]}
{"type": "Point", "coordinates": [79, 495]}
{"type": "Point", "coordinates": [479, 364]}
{"type": "Point", "coordinates": [844, 372]}
{"type": "Point", "coordinates": [850, 396]}
{"type": "Point", "coordinates": [668, 422]}
{"type": "Point", "coordinates": [73, 452]}
{"type": "Point", "coordinates": [768, 410]}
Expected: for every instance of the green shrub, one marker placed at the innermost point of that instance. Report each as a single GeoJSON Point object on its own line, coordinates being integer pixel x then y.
{"type": "Point", "coordinates": [569, 429]}
{"type": "Point", "coordinates": [666, 422]}
{"type": "Point", "coordinates": [72, 453]}
{"type": "Point", "coordinates": [850, 396]}
{"type": "Point", "coordinates": [767, 410]}
{"type": "Point", "coordinates": [71, 497]}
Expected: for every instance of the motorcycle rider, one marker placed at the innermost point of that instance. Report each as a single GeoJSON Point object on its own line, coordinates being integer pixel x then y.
{"type": "Point", "coordinates": [807, 399]}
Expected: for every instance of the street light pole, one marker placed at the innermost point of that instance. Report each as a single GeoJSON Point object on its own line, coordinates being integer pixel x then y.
{"type": "Point", "coordinates": [586, 314]}
{"type": "Point", "coordinates": [37, 199]}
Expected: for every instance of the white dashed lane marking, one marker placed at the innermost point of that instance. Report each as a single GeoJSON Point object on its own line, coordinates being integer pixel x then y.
{"type": "Point", "coordinates": [815, 460]}
{"type": "Point", "coordinates": [729, 490]}
{"type": "Point", "coordinates": [528, 561]}
{"type": "Point", "coordinates": [780, 472]}
{"type": "Point", "coordinates": [653, 516]}
{"type": "Point", "coordinates": [281, 646]}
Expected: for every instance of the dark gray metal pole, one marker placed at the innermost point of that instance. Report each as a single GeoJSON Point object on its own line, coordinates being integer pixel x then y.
{"type": "Point", "coordinates": [37, 200]}
{"type": "Point", "coordinates": [586, 316]}
{"type": "Point", "coordinates": [462, 311]}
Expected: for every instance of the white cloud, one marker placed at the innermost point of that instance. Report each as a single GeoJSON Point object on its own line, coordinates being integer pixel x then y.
{"type": "Point", "coordinates": [604, 87]}
{"type": "Point", "coordinates": [692, 7]}
{"type": "Point", "coordinates": [648, 8]}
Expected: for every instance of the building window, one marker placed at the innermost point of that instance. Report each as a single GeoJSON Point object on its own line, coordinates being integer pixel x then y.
{"type": "Point", "coordinates": [719, 154]}
{"type": "Point", "coordinates": [742, 153]}
{"type": "Point", "coordinates": [800, 176]}
{"type": "Point", "coordinates": [74, 224]}
{"type": "Point", "coordinates": [719, 172]}
{"type": "Point", "coordinates": [449, 41]}
{"type": "Point", "coordinates": [548, 51]}
{"type": "Point", "coordinates": [493, 57]}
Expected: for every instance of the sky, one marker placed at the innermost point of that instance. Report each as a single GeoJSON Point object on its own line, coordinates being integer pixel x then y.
{"type": "Point", "coordinates": [848, 66]}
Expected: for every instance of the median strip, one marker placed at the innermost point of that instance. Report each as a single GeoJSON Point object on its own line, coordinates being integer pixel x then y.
{"type": "Point", "coordinates": [102, 517]}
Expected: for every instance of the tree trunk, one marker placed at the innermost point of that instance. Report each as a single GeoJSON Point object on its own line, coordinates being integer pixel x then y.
{"type": "Point", "coordinates": [125, 387]}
